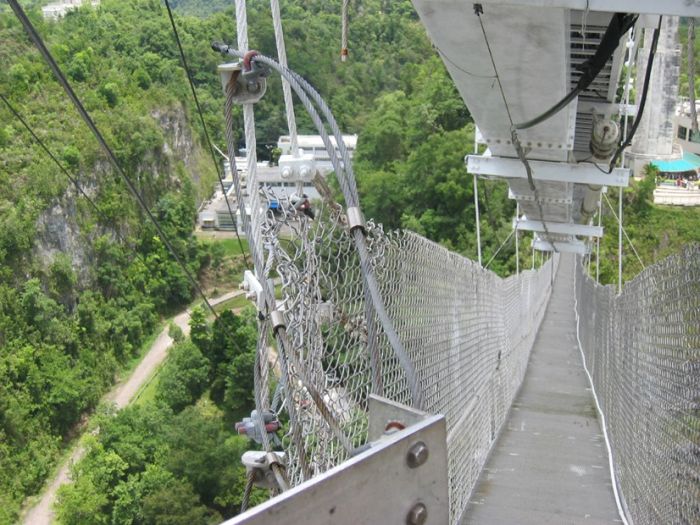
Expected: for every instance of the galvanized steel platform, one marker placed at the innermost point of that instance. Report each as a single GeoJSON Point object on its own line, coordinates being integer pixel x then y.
{"type": "Point", "coordinates": [550, 463]}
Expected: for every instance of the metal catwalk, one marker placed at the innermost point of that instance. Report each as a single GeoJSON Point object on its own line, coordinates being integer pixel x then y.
{"type": "Point", "coordinates": [550, 464]}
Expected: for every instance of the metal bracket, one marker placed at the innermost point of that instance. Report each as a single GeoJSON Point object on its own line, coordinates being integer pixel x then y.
{"type": "Point", "coordinates": [408, 469]}
{"type": "Point", "coordinates": [558, 228]}
{"type": "Point", "coordinates": [562, 247]}
{"type": "Point", "coordinates": [248, 86]}
{"type": "Point", "coordinates": [254, 289]}
{"type": "Point", "coordinates": [260, 463]}
{"type": "Point", "coordinates": [385, 415]}
{"type": "Point", "coordinates": [547, 171]}
{"type": "Point", "coordinates": [298, 168]}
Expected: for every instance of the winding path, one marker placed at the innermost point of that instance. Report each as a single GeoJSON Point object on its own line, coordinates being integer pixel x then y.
{"type": "Point", "coordinates": [121, 395]}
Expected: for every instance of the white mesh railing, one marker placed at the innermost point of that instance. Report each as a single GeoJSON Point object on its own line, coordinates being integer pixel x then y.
{"type": "Point", "coordinates": [642, 351]}
{"type": "Point", "coordinates": [468, 334]}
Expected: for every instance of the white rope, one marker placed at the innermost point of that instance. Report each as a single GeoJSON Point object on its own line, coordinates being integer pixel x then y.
{"type": "Point", "coordinates": [603, 424]}
{"type": "Point", "coordinates": [286, 90]}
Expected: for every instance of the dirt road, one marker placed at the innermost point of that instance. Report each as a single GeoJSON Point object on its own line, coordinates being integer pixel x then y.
{"type": "Point", "coordinates": [121, 395]}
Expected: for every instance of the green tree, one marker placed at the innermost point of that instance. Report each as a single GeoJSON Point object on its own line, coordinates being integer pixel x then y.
{"type": "Point", "coordinates": [184, 376]}
{"type": "Point", "coordinates": [239, 398]}
{"type": "Point", "coordinates": [175, 503]}
{"type": "Point", "coordinates": [110, 92]}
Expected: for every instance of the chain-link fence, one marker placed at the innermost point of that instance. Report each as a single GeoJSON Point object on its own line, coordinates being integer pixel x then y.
{"type": "Point", "coordinates": [642, 350]}
{"type": "Point", "coordinates": [468, 334]}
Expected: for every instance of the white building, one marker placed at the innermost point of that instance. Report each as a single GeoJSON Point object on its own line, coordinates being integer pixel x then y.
{"type": "Point", "coordinates": [685, 137]}
{"type": "Point", "coordinates": [59, 9]}
{"type": "Point", "coordinates": [214, 213]}
{"type": "Point", "coordinates": [314, 144]}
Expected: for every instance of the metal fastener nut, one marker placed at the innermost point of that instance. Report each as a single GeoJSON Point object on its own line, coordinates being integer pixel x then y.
{"type": "Point", "coordinates": [418, 515]}
{"type": "Point", "coordinates": [417, 455]}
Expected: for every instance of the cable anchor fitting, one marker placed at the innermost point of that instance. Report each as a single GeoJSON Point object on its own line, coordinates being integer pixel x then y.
{"type": "Point", "coordinates": [262, 465]}
{"type": "Point", "coordinates": [246, 79]}
{"type": "Point", "coordinates": [355, 219]}
{"type": "Point", "coordinates": [277, 320]}
{"type": "Point", "coordinates": [252, 426]}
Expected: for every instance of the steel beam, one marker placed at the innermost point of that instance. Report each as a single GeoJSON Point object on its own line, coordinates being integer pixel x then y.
{"type": "Point", "coordinates": [583, 173]}
{"type": "Point", "coordinates": [652, 7]}
{"type": "Point", "coordinates": [607, 108]}
{"type": "Point", "coordinates": [560, 228]}
{"type": "Point", "coordinates": [561, 247]}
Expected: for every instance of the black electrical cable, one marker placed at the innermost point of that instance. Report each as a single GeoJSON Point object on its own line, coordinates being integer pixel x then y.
{"type": "Point", "coordinates": [36, 38]}
{"type": "Point", "coordinates": [643, 99]}
{"type": "Point", "coordinates": [619, 25]}
{"type": "Point", "coordinates": [204, 127]}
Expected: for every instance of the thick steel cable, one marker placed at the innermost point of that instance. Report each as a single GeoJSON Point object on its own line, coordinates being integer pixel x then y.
{"type": "Point", "coordinates": [249, 129]}
{"type": "Point", "coordinates": [268, 295]}
{"type": "Point", "coordinates": [217, 165]}
{"type": "Point", "coordinates": [254, 241]}
{"type": "Point", "coordinates": [352, 199]}
{"type": "Point", "coordinates": [249, 483]}
{"type": "Point", "coordinates": [347, 182]}
{"type": "Point", "coordinates": [286, 90]}
{"type": "Point", "coordinates": [316, 396]}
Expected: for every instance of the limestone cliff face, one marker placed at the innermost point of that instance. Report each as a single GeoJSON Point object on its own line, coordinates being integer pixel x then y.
{"type": "Point", "coordinates": [58, 228]}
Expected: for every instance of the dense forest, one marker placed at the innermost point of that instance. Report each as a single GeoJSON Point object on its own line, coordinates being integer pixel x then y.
{"type": "Point", "coordinates": [82, 290]}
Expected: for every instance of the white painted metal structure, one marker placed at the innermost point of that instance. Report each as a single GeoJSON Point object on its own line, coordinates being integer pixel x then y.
{"type": "Point", "coordinates": [537, 46]}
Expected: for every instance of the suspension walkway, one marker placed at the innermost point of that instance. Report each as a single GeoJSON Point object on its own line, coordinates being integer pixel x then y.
{"type": "Point", "coordinates": [550, 464]}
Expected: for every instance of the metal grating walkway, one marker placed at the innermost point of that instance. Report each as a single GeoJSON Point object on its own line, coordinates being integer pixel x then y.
{"type": "Point", "coordinates": [550, 464]}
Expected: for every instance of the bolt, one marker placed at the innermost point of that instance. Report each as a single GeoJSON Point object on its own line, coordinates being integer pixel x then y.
{"type": "Point", "coordinates": [417, 455]}
{"type": "Point", "coordinates": [418, 515]}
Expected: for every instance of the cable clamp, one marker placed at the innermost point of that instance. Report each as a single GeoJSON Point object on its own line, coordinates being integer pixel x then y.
{"type": "Point", "coordinates": [247, 80]}
{"type": "Point", "coordinates": [260, 464]}
{"type": "Point", "coordinates": [355, 219]}
{"type": "Point", "coordinates": [278, 320]}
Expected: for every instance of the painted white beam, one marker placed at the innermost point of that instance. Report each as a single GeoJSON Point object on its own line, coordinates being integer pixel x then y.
{"type": "Point", "coordinates": [607, 108]}
{"type": "Point", "coordinates": [652, 7]}
{"type": "Point", "coordinates": [560, 227]}
{"type": "Point", "coordinates": [583, 173]}
{"type": "Point", "coordinates": [562, 247]}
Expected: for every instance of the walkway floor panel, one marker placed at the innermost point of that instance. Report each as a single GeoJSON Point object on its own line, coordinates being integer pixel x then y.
{"type": "Point", "coordinates": [550, 464]}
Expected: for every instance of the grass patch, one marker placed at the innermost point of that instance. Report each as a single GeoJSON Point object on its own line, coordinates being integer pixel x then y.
{"type": "Point", "coordinates": [229, 247]}
{"type": "Point", "coordinates": [239, 301]}
{"type": "Point", "coordinates": [147, 392]}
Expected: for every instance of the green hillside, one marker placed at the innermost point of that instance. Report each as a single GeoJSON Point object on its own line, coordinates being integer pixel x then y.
{"type": "Point", "coordinates": [80, 290]}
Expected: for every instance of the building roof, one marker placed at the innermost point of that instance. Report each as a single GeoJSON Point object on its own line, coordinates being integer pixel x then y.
{"type": "Point", "coordinates": [689, 162]}
{"type": "Point", "coordinates": [315, 141]}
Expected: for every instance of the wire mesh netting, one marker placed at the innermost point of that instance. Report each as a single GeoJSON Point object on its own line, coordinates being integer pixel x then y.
{"type": "Point", "coordinates": [468, 334]}
{"type": "Point", "coordinates": [642, 349]}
